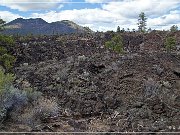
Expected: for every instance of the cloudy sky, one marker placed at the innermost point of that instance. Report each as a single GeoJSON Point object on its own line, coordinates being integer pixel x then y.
{"type": "Point", "coordinates": [99, 15]}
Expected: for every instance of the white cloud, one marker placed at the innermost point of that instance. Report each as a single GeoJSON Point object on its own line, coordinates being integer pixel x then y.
{"type": "Point", "coordinates": [96, 17]}
{"type": "Point", "coordinates": [165, 21]}
{"type": "Point", "coordinates": [25, 5]}
{"type": "Point", "coordinates": [96, 1]}
{"type": "Point", "coordinates": [82, 16]}
{"type": "Point", "coordinates": [101, 1]}
{"type": "Point", "coordinates": [60, 6]}
{"type": "Point", "coordinates": [132, 8]}
{"type": "Point", "coordinates": [161, 14]}
{"type": "Point", "coordinates": [122, 13]}
{"type": "Point", "coordinates": [8, 16]}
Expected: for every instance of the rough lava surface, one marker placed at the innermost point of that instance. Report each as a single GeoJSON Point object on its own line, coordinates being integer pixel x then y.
{"type": "Point", "coordinates": [98, 90]}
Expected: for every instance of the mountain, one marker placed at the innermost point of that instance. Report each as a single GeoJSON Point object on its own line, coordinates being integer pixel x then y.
{"type": "Point", "coordinates": [38, 26]}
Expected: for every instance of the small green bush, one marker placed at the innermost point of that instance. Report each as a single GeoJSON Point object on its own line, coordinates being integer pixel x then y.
{"type": "Point", "coordinates": [8, 61]}
{"type": "Point", "coordinates": [5, 80]}
{"type": "Point", "coordinates": [170, 43]}
{"type": "Point", "coordinates": [3, 50]}
{"type": "Point", "coordinates": [116, 44]}
{"type": "Point", "coordinates": [7, 40]}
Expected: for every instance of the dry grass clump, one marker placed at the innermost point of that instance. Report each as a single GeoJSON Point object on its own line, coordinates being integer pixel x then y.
{"type": "Point", "coordinates": [39, 112]}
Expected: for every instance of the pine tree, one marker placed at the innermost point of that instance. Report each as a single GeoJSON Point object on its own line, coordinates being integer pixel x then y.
{"type": "Point", "coordinates": [118, 29]}
{"type": "Point", "coordinates": [133, 30]}
{"type": "Point", "coordinates": [170, 43]}
{"type": "Point", "coordinates": [123, 30]}
{"type": "Point", "coordinates": [142, 22]}
{"type": "Point", "coordinates": [174, 28]}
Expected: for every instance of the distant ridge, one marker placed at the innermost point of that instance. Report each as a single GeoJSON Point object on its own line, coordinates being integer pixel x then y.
{"type": "Point", "coordinates": [38, 26]}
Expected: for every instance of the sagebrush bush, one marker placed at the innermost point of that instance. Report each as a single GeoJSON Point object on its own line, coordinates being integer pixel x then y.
{"type": "Point", "coordinates": [13, 101]}
{"type": "Point", "coordinates": [25, 106]}
{"type": "Point", "coordinates": [40, 111]}
{"type": "Point", "coordinates": [32, 94]}
{"type": "Point", "coordinates": [46, 108]}
{"type": "Point", "coordinates": [10, 97]}
{"type": "Point", "coordinates": [151, 88]}
{"type": "Point", "coordinates": [14, 98]}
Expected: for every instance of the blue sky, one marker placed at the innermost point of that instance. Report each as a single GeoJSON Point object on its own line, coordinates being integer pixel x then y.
{"type": "Point", "coordinates": [99, 15]}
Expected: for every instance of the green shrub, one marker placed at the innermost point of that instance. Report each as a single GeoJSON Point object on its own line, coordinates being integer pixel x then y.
{"type": "Point", "coordinates": [8, 61]}
{"type": "Point", "coordinates": [7, 40]}
{"type": "Point", "coordinates": [3, 50]}
{"type": "Point", "coordinates": [109, 44]}
{"type": "Point", "coordinates": [116, 44]}
{"type": "Point", "coordinates": [5, 80]}
{"type": "Point", "coordinates": [170, 43]}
